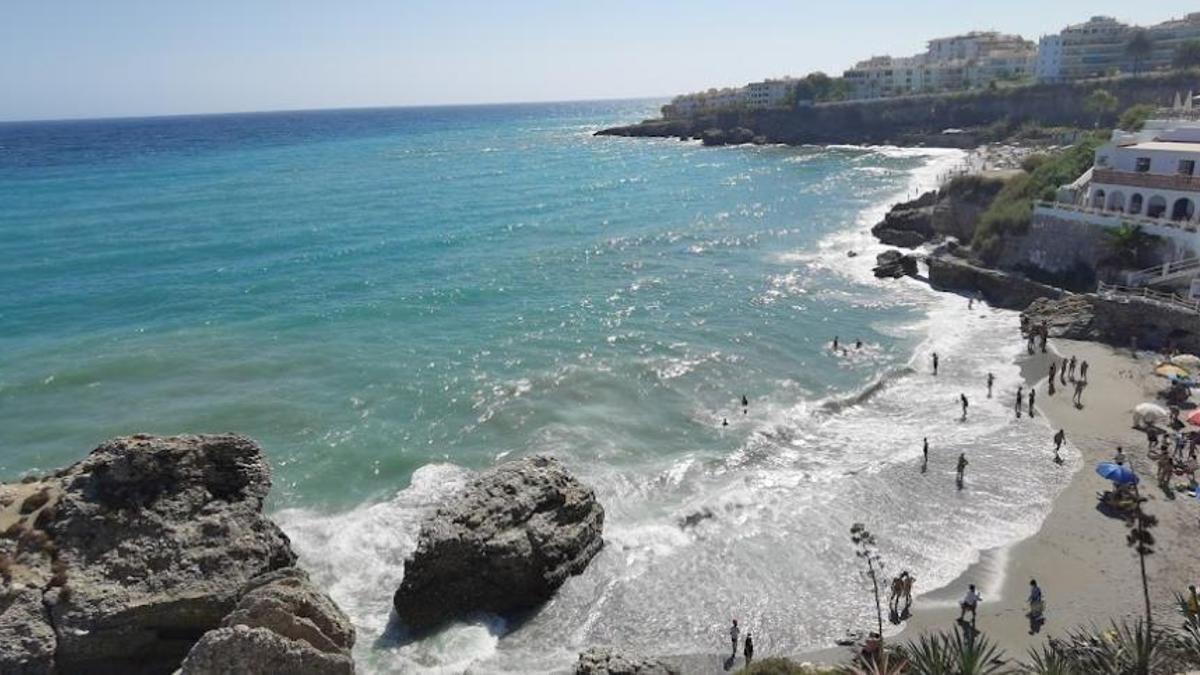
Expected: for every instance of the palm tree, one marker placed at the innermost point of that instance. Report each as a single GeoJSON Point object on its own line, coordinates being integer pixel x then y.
{"type": "Point", "coordinates": [1100, 103]}
{"type": "Point", "coordinates": [867, 550]}
{"type": "Point", "coordinates": [1139, 48]}
{"type": "Point", "coordinates": [1126, 243]}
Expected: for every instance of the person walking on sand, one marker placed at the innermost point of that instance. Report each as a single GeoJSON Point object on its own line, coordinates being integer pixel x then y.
{"type": "Point", "coordinates": [991, 379]}
{"type": "Point", "coordinates": [1062, 372]}
{"type": "Point", "coordinates": [1072, 365]}
{"type": "Point", "coordinates": [1032, 396]}
{"type": "Point", "coordinates": [969, 603]}
{"type": "Point", "coordinates": [748, 649]}
{"type": "Point", "coordinates": [1119, 458]}
{"type": "Point", "coordinates": [1020, 400]}
{"type": "Point", "coordinates": [734, 633]}
{"type": "Point", "coordinates": [1078, 398]}
{"type": "Point", "coordinates": [1037, 607]}
{"type": "Point", "coordinates": [963, 398]}
{"type": "Point", "coordinates": [1083, 367]}
{"type": "Point", "coordinates": [961, 468]}
{"type": "Point", "coordinates": [935, 363]}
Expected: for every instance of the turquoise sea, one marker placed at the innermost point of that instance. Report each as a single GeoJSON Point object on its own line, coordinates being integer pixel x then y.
{"type": "Point", "coordinates": [387, 299]}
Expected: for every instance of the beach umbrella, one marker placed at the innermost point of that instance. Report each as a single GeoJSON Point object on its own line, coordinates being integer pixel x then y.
{"type": "Point", "coordinates": [1117, 473]}
{"type": "Point", "coordinates": [1194, 418]}
{"type": "Point", "coordinates": [1169, 369]}
{"type": "Point", "coordinates": [1186, 360]}
{"type": "Point", "coordinates": [1148, 410]}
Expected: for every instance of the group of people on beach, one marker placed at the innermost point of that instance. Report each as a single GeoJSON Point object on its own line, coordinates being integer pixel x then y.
{"type": "Point", "coordinates": [747, 645]}
{"type": "Point", "coordinates": [1067, 371]}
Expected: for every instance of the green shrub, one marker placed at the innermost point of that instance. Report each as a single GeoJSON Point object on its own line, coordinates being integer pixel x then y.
{"type": "Point", "coordinates": [1134, 117]}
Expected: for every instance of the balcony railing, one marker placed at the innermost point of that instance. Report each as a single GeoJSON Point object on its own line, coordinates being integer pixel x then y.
{"type": "Point", "coordinates": [1152, 181]}
{"type": "Point", "coordinates": [1119, 293]}
{"type": "Point", "coordinates": [1117, 217]}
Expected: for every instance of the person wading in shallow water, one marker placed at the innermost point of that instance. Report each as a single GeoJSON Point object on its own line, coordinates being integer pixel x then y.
{"type": "Point", "coordinates": [1059, 438]}
{"type": "Point", "coordinates": [1032, 396]}
{"type": "Point", "coordinates": [991, 379]}
{"type": "Point", "coordinates": [963, 398]}
{"type": "Point", "coordinates": [745, 405]}
{"type": "Point", "coordinates": [1020, 400]}
{"type": "Point", "coordinates": [925, 455]}
{"type": "Point", "coordinates": [961, 468]}
{"type": "Point", "coordinates": [935, 363]}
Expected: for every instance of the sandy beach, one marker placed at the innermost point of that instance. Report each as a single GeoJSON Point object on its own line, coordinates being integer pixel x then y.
{"type": "Point", "coordinates": [1079, 556]}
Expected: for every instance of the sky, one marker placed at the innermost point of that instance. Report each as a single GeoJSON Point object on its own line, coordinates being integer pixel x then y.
{"type": "Point", "coordinates": [113, 58]}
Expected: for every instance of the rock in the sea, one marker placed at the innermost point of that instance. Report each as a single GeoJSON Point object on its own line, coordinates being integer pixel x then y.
{"type": "Point", "coordinates": [134, 552]}
{"type": "Point", "coordinates": [609, 661]}
{"type": "Point", "coordinates": [282, 625]}
{"type": "Point", "coordinates": [503, 545]}
{"type": "Point", "coordinates": [894, 264]}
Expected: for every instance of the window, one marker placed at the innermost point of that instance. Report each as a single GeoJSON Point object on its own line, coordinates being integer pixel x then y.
{"type": "Point", "coordinates": [1187, 167]}
{"type": "Point", "coordinates": [1143, 165]}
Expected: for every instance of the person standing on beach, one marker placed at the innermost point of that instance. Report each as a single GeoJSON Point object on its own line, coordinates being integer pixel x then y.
{"type": "Point", "coordinates": [748, 649]}
{"type": "Point", "coordinates": [908, 586]}
{"type": "Point", "coordinates": [734, 633]}
{"type": "Point", "coordinates": [961, 468]}
{"type": "Point", "coordinates": [1020, 400]}
{"type": "Point", "coordinates": [1083, 367]}
{"type": "Point", "coordinates": [935, 363]}
{"type": "Point", "coordinates": [1037, 607]}
{"type": "Point", "coordinates": [963, 398]}
{"type": "Point", "coordinates": [969, 603]}
{"type": "Point", "coordinates": [1032, 396]}
{"type": "Point", "coordinates": [1119, 458]}
{"type": "Point", "coordinates": [991, 379]}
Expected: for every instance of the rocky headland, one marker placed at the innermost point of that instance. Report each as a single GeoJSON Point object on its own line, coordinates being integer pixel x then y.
{"type": "Point", "coordinates": [502, 546]}
{"type": "Point", "coordinates": [151, 548]}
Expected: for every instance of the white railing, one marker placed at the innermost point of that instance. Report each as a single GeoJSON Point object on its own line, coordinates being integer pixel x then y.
{"type": "Point", "coordinates": [1116, 216]}
{"type": "Point", "coordinates": [1167, 271]}
{"type": "Point", "coordinates": [1117, 292]}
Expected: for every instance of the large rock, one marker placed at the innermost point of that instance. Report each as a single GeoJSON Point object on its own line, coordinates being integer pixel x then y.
{"type": "Point", "coordinates": [1000, 289]}
{"type": "Point", "coordinates": [281, 625]}
{"type": "Point", "coordinates": [503, 545]}
{"type": "Point", "coordinates": [894, 264]}
{"type": "Point", "coordinates": [135, 552]}
{"type": "Point", "coordinates": [1118, 319]}
{"type": "Point", "coordinates": [609, 661]}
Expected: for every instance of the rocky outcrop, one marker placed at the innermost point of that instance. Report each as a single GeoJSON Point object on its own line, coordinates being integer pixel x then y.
{"type": "Point", "coordinates": [894, 264]}
{"type": "Point", "coordinates": [122, 561]}
{"type": "Point", "coordinates": [914, 120]}
{"type": "Point", "coordinates": [1000, 289]}
{"type": "Point", "coordinates": [609, 661]}
{"type": "Point", "coordinates": [734, 136]}
{"type": "Point", "coordinates": [1118, 320]}
{"type": "Point", "coordinates": [952, 211]}
{"type": "Point", "coordinates": [281, 625]}
{"type": "Point", "coordinates": [503, 545]}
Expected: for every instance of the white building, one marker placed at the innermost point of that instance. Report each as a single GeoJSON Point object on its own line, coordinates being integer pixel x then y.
{"type": "Point", "coordinates": [769, 93]}
{"type": "Point", "coordinates": [1149, 178]}
{"type": "Point", "coordinates": [1097, 47]}
{"type": "Point", "coordinates": [954, 63]}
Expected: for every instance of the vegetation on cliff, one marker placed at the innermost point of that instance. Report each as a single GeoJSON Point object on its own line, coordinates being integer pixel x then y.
{"type": "Point", "coordinates": [1012, 210]}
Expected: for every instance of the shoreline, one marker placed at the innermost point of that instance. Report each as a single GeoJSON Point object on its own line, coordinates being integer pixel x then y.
{"type": "Point", "coordinates": [1078, 555]}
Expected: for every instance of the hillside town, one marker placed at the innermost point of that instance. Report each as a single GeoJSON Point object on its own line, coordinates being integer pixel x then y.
{"type": "Point", "coordinates": [1100, 46]}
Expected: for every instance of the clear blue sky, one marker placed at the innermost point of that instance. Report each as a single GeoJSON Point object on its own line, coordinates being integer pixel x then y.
{"type": "Point", "coordinates": [100, 58]}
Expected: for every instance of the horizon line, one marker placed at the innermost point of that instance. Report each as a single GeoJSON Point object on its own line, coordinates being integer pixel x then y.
{"type": "Point", "coordinates": [351, 108]}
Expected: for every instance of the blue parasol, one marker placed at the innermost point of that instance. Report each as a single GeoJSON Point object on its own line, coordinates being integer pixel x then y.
{"type": "Point", "coordinates": [1117, 473]}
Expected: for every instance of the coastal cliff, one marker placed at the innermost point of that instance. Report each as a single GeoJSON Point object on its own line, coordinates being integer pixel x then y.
{"type": "Point", "coordinates": [123, 561]}
{"type": "Point", "coordinates": [920, 120]}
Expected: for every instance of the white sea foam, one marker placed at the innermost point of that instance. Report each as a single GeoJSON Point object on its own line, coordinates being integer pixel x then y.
{"type": "Point", "coordinates": [761, 532]}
